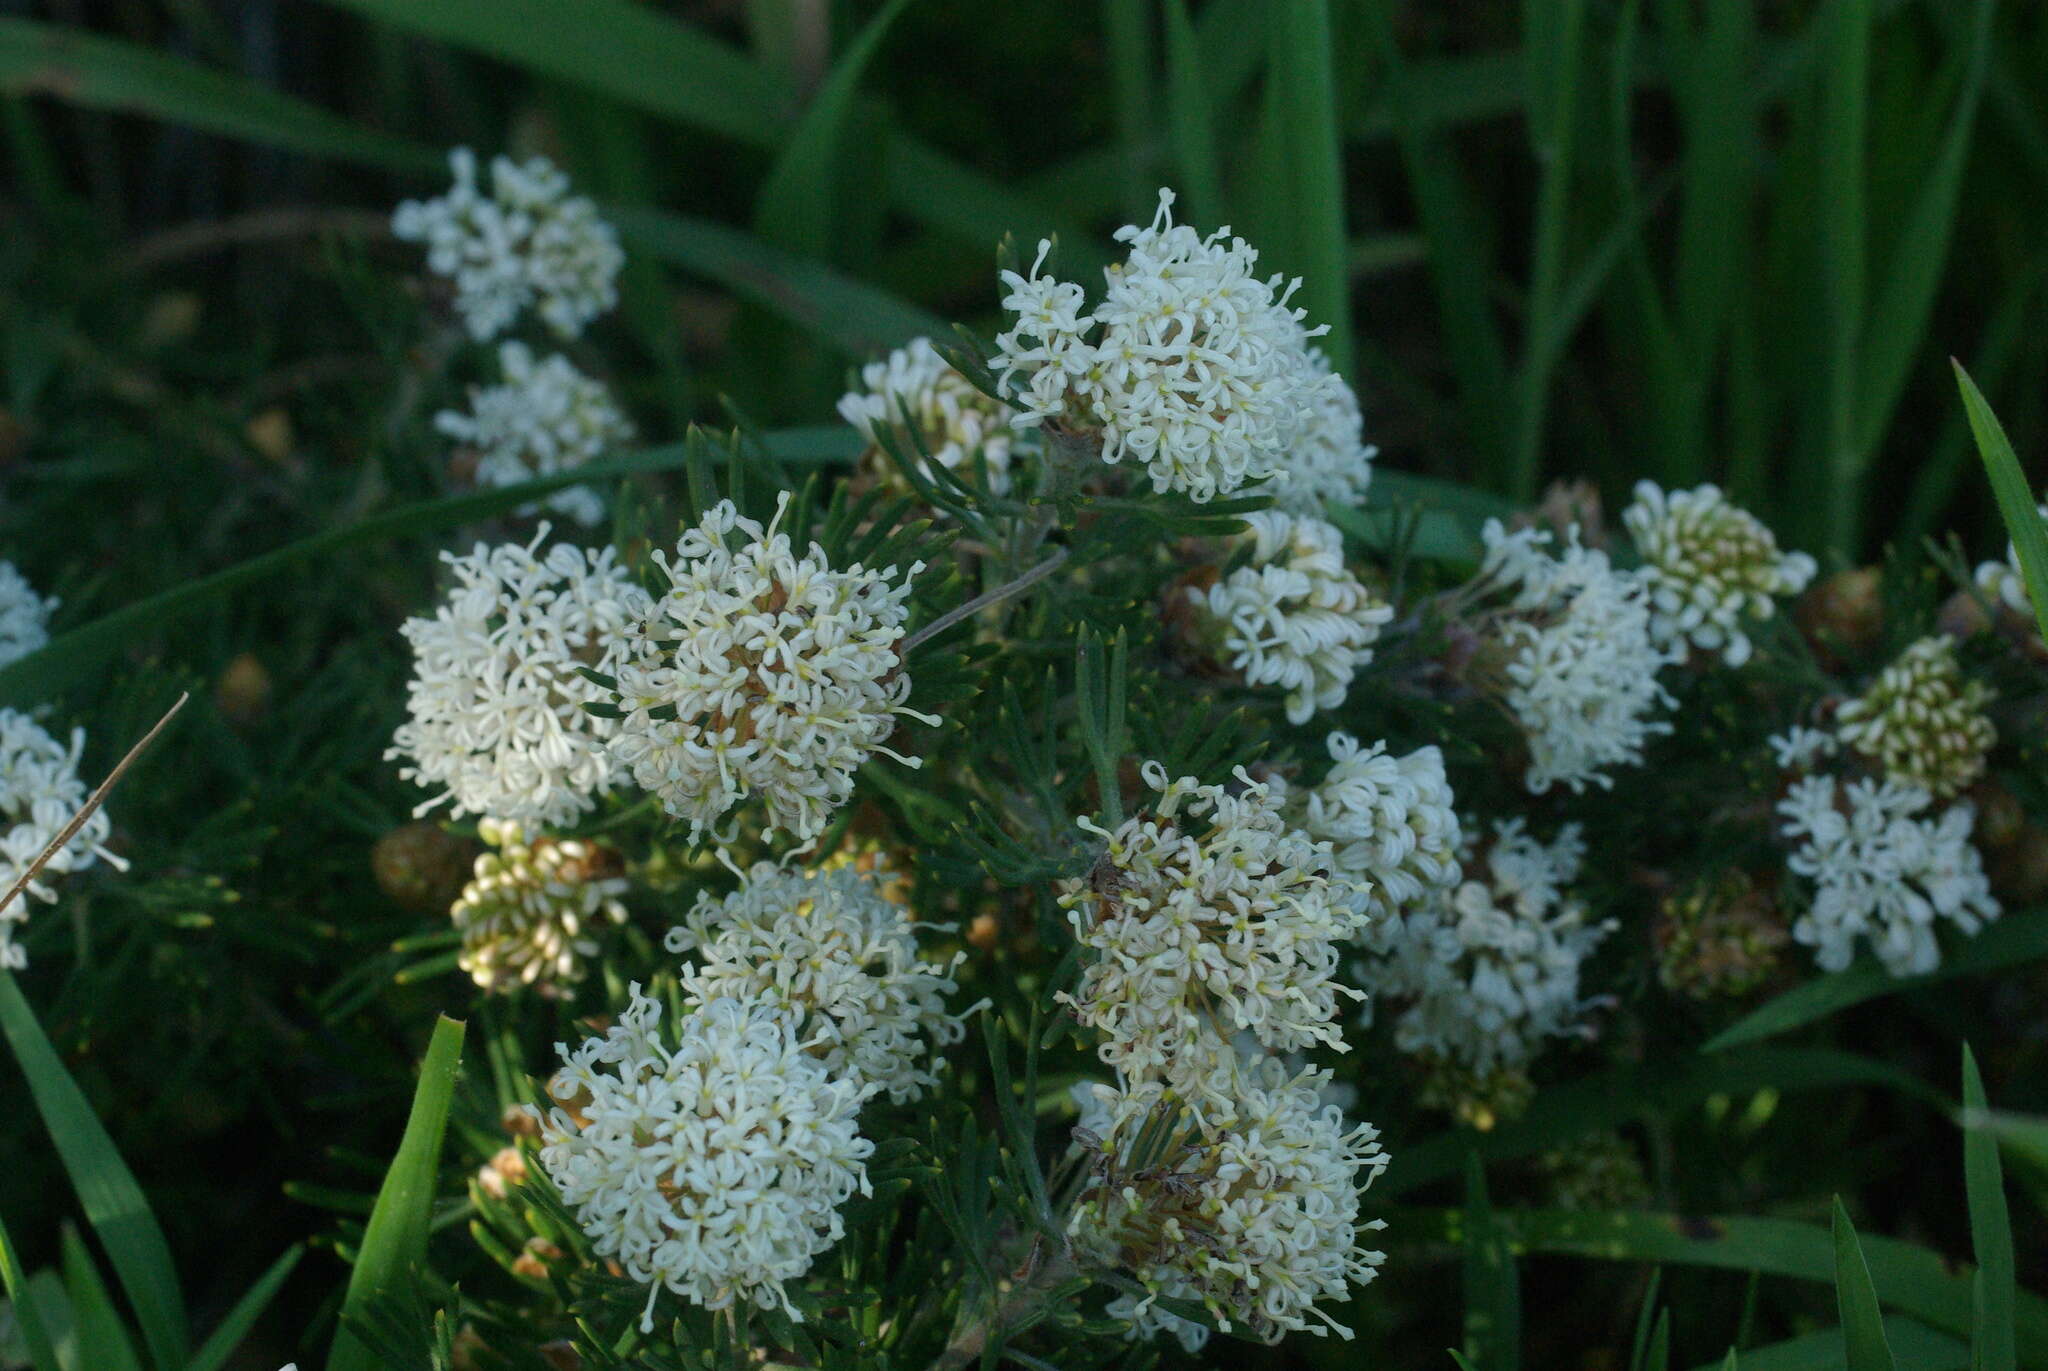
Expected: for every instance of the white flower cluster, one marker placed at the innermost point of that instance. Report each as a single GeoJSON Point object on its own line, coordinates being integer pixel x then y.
{"type": "Point", "coordinates": [1800, 748]}
{"type": "Point", "coordinates": [526, 916]}
{"type": "Point", "coordinates": [1583, 657]}
{"type": "Point", "coordinates": [1190, 364]}
{"type": "Point", "coordinates": [528, 243]}
{"type": "Point", "coordinates": [1922, 721]}
{"type": "Point", "coordinates": [1256, 1220]}
{"type": "Point", "coordinates": [953, 421]}
{"type": "Point", "coordinates": [497, 722]}
{"type": "Point", "coordinates": [1488, 971]}
{"type": "Point", "coordinates": [40, 792]}
{"type": "Point", "coordinates": [1294, 616]}
{"type": "Point", "coordinates": [544, 417]}
{"type": "Point", "coordinates": [761, 673]}
{"type": "Point", "coordinates": [1390, 821]}
{"type": "Point", "coordinates": [1883, 869]}
{"type": "Point", "coordinates": [1208, 916]}
{"type": "Point", "coordinates": [1710, 565]}
{"type": "Point", "coordinates": [715, 1168]}
{"type": "Point", "coordinates": [2003, 581]}
{"type": "Point", "coordinates": [1330, 463]}
{"type": "Point", "coordinates": [828, 946]}
{"type": "Point", "coordinates": [24, 615]}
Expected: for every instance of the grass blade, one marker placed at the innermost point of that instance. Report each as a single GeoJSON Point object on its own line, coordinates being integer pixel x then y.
{"type": "Point", "coordinates": [1991, 1339]}
{"type": "Point", "coordinates": [1915, 1347]}
{"type": "Point", "coordinates": [28, 1318]}
{"type": "Point", "coordinates": [1863, 1339]}
{"type": "Point", "coordinates": [2016, 506]}
{"type": "Point", "coordinates": [106, 73]}
{"type": "Point", "coordinates": [2017, 938]}
{"type": "Point", "coordinates": [103, 1344]}
{"type": "Point", "coordinates": [113, 1202]}
{"type": "Point", "coordinates": [395, 1242]}
{"type": "Point", "coordinates": [1493, 1298]}
{"type": "Point", "coordinates": [1191, 120]}
{"type": "Point", "coordinates": [228, 1335]}
{"type": "Point", "coordinates": [1127, 35]}
{"type": "Point", "coordinates": [796, 209]}
{"type": "Point", "coordinates": [1298, 67]}
{"type": "Point", "coordinates": [1844, 134]}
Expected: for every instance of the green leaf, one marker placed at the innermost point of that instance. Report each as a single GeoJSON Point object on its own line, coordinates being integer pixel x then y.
{"type": "Point", "coordinates": [1844, 137]}
{"type": "Point", "coordinates": [1915, 1347]}
{"type": "Point", "coordinates": [42, 1353]}
{"type": "Point", "coordinates": [2023, 1135]}
{"type": "Point", "coordinates": [105, 73]}
{"type": "Point", "coordinates": [394, 1245]}
{"type": "Point", "coordinates": [103, 1344]}
{"type": "Point", "coordinates": [228, 1334]}
{"type": "Point", "coordinates": [1862, 1325]}
{"type": "Point", "coordinates": [855, 317]}
{"type": "Point", "coordinates": [1991, 1338]}
{"type": "Point", "coordinates": [796, 207]}
{"type": "Point", "coordinates": [1191, 123]}
{"type": "Point", "coordinates": [2021, 936]}
{"type": "Point", "coordinates": [1493, 1296]}
{"type": "Point", "coordinates": [1298, 72]}
{"type": "Point", "coordinates": [2016, 505]}
{"type": "Point", "coordinates": [113, 1202]}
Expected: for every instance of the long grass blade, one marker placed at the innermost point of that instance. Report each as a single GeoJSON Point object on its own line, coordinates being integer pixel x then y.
{"type": "Point", "coordinates": [1299, 70]}
{"type": "Point", "coordinates": [103, 1344]}
{"type": "Point", "coordinates": [1992, 1338]}
{"type": "Point", "coordinates": [2029, 531]}
{"type": "Point", "coordinates": [1863, 1340]}
{"type": "Point", "coordinates": [395, 1241]}
{"type": "Point", "coordinates": [28, 1317]}
{"type": "Point", "coordinates": [1844, 133]}
{"type": "Point", "coordinates": [228, 1334]}
{"type": "Point", "coordinates": [1493, 1297]}
{"type": "Point", "coordinates": [112, 1201]}
{"type": "Point", "coordinates": [1191, 120]}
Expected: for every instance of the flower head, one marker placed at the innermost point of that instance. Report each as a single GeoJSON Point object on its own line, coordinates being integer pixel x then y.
{"type": "Point", "coordinates": [714, 1168]}
{"type": "Point", "coordinates": [1255, 1219]}
{"type": "Point", "coordinates": [1883, 870]}
{"type": "Point", "coordinates": [1922, 721]}
{"type": "Point", "coordinates": [953, 421]}
{"type": "Point", "coordinates": [1190, 364]}
{"type": "Point", "coordinates": [40, 792]}
{"type": "Point", "coordinates": [527, 915]}
{"type": "Point", "coordinates": [761, 672]}
{"type": "Point", "coordinates": [1489, 971]}
{"type": "Point", "coordinates": [829, 947]}
{"type": "Point", "coordinates": [1330, 463]}
{"type": "Point", "coordinates": [1294, 616]}
{"type": "Point", "coordinates": [1582, 659]}
{"type": "Point", "coordinates": [496, 702]}
{"type": "Point", "coordinates": [528, 243]}
{"type": "Point", "coordinates": [1208, 916]}
{"type": "Point", "coordinates": [1389, 820]}
{"type": "Point", "coordinates": [24, 615]}
{"type": "Point", "coordinates": [1710, 565]}
{"type": "Point", "coordinates": [544, 417]}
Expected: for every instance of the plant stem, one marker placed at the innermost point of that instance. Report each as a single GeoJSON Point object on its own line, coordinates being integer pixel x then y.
{"type": "Point", "coordinates": [982, 601]}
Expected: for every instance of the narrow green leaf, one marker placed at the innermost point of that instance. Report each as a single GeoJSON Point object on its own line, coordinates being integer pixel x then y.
{"type": "Point", "coordinates": [1844, 134]}
{"type": "Point", "coordinates": [105, 73]}
{"type": "Point", "coordinates": [2019, 937]}
{"type": "Point", "coordinates": [2029, 531]}
{"type": "Point", "coordinates": [395, 1241]}
{"type": "Point", "coordinates": [1915, 1347]}
{"type": "Point", "coordinates": [28, 1318]}
{"type": "Point", "coordinates": [2025, 1136]}
{"type": "Point", "coordinates": [1990, 1233]}
{"type": "Point", "coordinates": [1191, 121]}
{"type": "Point", "coordinates": [228, 1334]}
{"type": "Point", "coordinates": [1299, 72]}
{"type": "Point", "coordinates": [796, 208]}
{"type": "Point", "coordinates": [113, 1202]}
{"type": "Point", "coordinates": [1863, 1338]}
{"type": "Point", "coordinates": [1493, 1296]}
{"type": "Point", "coordinates": [103, 1344]}
{"type": "Point", "coordinates": [1128, 39]}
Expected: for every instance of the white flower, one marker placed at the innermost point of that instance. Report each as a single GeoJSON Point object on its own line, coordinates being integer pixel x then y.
{"type": "Point", "coordinates": [1583, 664]}
{"type": "Point", "coordinates": [715, 1168]}
{"type": "Point", "coordinates": [1709, 564]}
{"type": "Point", "coordinates": [1294, 616]}
{"type": "Point", "coordinates": [1256, 1220]}
{"type": "Point", "coordinates": [1389, 820]}
{"type": "Point", "coordinates": [2002, 580]}
{"type": "Point", "coordinates": [1331, 463]}
{"type": "Point", "coordinates": [1488, 971]}
{"type": "Point", "coordinates": [40, 793]}
{"type": "Point", "coordinates": [1798, 748]}
{"type": "Point", "coordinates": [954, 421]}
{"type": "Point", "coordinates": [762, 673]}
{"type": "Point", "coordinates": [1921, 721]}
{"type": "Point", "coordinates": [24, 615]}
{"type": "Point", "coordinates": [1208, 916]}
{"type": "Point", "coordinates": [544, 417]}
{"type": "Point", "coordinates": [1190, 363]}
{"type": "Point", "coordinates": [526, 916]}
{"type": "Point", "coordinates": [528, 243]}
{"type": "Point", "coordinates": [497, 721]}
{"type": "Point", "coordinates": [829, 947]}
{"type": "Point", "coordinates": [1146, 1319]}
{"type": "Point", "coordinates": [1883, 872]}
